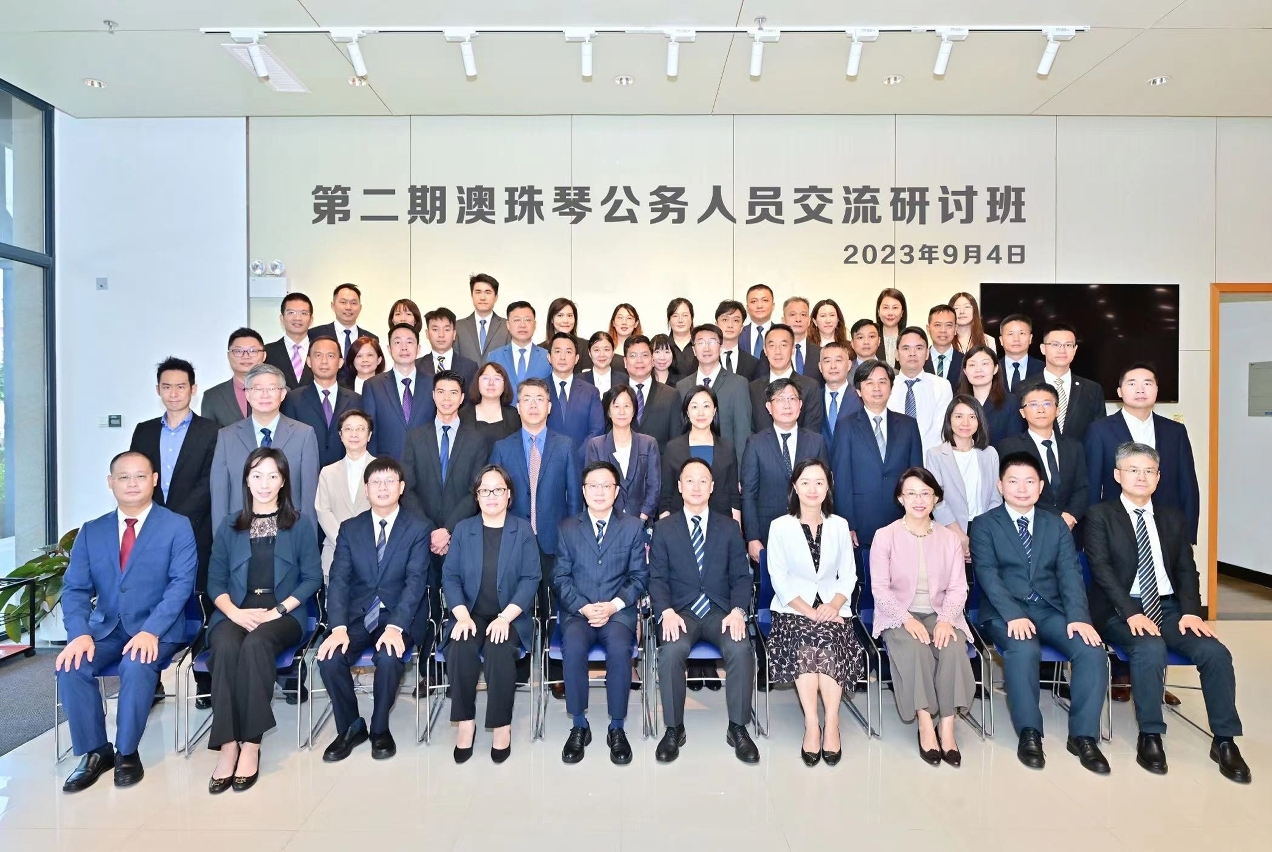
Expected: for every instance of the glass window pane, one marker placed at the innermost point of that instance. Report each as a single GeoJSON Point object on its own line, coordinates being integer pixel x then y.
{"type": "Point", "coordinates": [22, 174]}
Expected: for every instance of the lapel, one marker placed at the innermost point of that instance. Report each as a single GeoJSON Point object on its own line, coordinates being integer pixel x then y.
{"type": "Point", "coordinates": [517, 441]}
{"type": "Point", "coordinates": [433, 452]}
{"type": "Point", "coordinates": [953, 478]}
{"type": "Point", "coordinates": [240, 551]}
{"type": "Point", "coordinates": [284, 432]}
{"type": "Point", "coordinates": [1127, 530]}
{"type": "Point", "coordinates": [893, 442]}
{"type": "Point", "coordinates": [1122, 431]}
{"type": "Point", "coordinates": [1041, 538]}
{"type": "Point", "coordinates": [1009, 527]}
{"type": "Point", "coordinates": [396, 535]}
{"type": "Point", "coordinates": [391, 388]}
{"type": "Point", "coordinates": [861, 422]}
{"type": "Point", "coordinates": [247, 432]}
{"type": "Point", "coordinates": [188, 448]}
{"type": "Point", "coordinates": [506, 569]}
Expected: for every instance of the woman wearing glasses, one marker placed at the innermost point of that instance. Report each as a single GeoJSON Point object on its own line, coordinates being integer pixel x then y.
{"type": "Point", "coordinates": [341, 494]}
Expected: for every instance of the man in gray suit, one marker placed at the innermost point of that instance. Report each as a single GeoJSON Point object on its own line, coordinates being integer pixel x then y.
{"type": "Point", "coordinates": [227, 402]}
{"type": "Point", "coordinates": [482, 331]}
{"type": "Point", "coordinates": [732, 391]}
{"type": "Point", "coordinates": [267, 427]}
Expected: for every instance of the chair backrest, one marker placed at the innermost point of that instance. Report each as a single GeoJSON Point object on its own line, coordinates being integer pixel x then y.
{"type": "Point", "coordinates": [863, 595]}
{"type": "Point", "coordinates": [764, 597]}
{"type": "Point", "coordinates": [194, 617]}
{"type": "Point", "coordinates": [1086, 567]}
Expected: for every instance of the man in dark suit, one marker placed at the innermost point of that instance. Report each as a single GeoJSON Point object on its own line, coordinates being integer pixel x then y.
{"type": "Point", "coordinates": [732, 391]}
{"type": "Point", "coordinates": [1015, 333]}
{"type": "Point", "coordinates": [320, 403]}
{"type": "Point", "coordinates": [346, 304]}
{"type": "Point", "coordinates": [837, 399]}
{"type": "Point", "coordinates": [227, 403]}
{"type": "Point", "coordinates": [730, 315]}
{"type": "Point", "coordinates": [944, 359]}
{"type": "Point", "coordinates": [1032, 592]}
{"type": "Point", "coordinates": [1081, 400]}
{"type": "Point", "coordinates": [1063, 461]}
{"type": "Point", "coordinates": [805, 354]}
{"type": "Point", "coordinates": [482, 331]}
{"type": "Point", "coordinates": [657, 405]}
{"type": "Point", "coordinates": [866, 340]}
{"type": "Point", "coordinates": [700, 589]}
{"type": "Point", "coordinates": [180, 446]}
{"type": "Point", "coordinates": [777, 365]}
{"type": "Point", "coordinates": [770, 456]}
{"type": "Point", "coordinates": [440, 327]}
{"type": "Point", "coordinates": [1146, 596]}
{"type": "Point", "coordinates": [123, 597]}
{"type": "Point", "coordinates": [759, 307]}
{"type": "Point", "coordinates": [600, 576]}
{"type": "Point", "coordinates": [373, 593]}
{"type": "Point", "coordinates": [291, 351]}
{"type": "Point", "coordinates": [399, 399]}
{"type": "Point", "coordinates": [576, 406]}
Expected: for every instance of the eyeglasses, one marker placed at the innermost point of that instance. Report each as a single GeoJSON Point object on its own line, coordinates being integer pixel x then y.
{"type": "Point", "coordinates": [1149, 472]}
{"type": "Point", "coordinates": [267, 389]}
{"type": "Point", "coordinates": [296, 313]}
{"type": "Point", "coordinates": [599, 486]}
{"type": "Point", "coordinates": [239, 352]}
{"type": "Point", "coordinates": [786, 398]}
{"type": "Point", "coordinates": [354, 430]}
{"type": "Point", "coordinates": [383, 482]}
{"type": "Point", "coordinates": [918, 495]}
{"type": "Point", "coordinates": [1061, 345]}
{"type": "Point", "coordinates": [130, 478]}
{"type": "Point", "coordinates": [491, 492]}
{"type": "Point", "coordinates": [1045, 405]}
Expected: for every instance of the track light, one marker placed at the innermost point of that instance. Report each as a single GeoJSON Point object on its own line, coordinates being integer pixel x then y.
{"type": "Point", "coordinates": [252, 38]}
{"type": "Point", "coordinates": [948, 35]}
{"type": "Point", "coordinates": [675, 38]}
{"type": "Point", "coordinates": [1054, 35]}
{"type": "Point", "coordinates": [349, 38]}
{"type": "Point", "coordinates": [464, 38]}
{"type": "Point", "coordinates": [355, 56]}
{"type": "Point", "coordinates": [761, 36]}
{"type": "Point", "coordinates": [583, 38]}
{"type": "Point", "coordinates": [859, 36]}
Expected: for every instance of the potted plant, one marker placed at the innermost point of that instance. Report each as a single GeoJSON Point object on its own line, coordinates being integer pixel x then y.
{"type": "Point", "coordinates": [47, 569]}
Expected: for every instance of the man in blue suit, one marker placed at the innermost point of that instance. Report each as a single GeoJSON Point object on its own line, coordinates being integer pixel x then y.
{"type": "Point", "coordinates": [600, 575]}
{"type": "Point", "coordinates": [520, 357]}
{"type": "Point", "coordinates": [123, 596]}
{"type": "Point", "coordinates": [576, 406]}
{"type": "Point", "coordinates": [1032, 592]}
{"type": "Point", "coordinates": [1015, 333]}
{"type": "Point", "coordinates": [320, 403]}
{"type": "Point", "coordinates": [837, 400]}
{"type": "Point", "coordinates": [400, 399]}
{"type": "Point", "coordinates": [375, 588]}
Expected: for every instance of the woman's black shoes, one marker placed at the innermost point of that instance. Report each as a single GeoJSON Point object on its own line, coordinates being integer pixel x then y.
{"type": "Point", "coordinates": [932, 757]}
{"type": "Point", "coordinates": [811, 758]}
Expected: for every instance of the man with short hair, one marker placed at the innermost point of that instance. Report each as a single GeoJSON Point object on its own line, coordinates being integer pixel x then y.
{"type": "Point", "coordinates": [1081, 400]}
{"type": "Point", "coordinates": [1061, 458]}
{"type": "Point", "coordinates": [440, 326]}
{"type": "Point", "coordinates": [290, 352]}
{"type": "Point", "coordinates": [520, 357]}
{"type": "Point", "coordinates": [346, 304]}
{"type": "Point", "coordinates": [657, 405]}
{"type": "Point", "coordinates": [837, 399]}
{"type": "Point", "coordinates": [866, 341]}
{"type": "Point", "coordinates": [777, 365]}
{"type": "Point", "coordinates": [1015, 333]}
{"type": "Point", "coordinates": [576, 406]}
{"type": "Point", "coordinates": [759, 307]}
{"type": "Point", "coordinates": [482, 331]}
{"type": "Point", "coordinates": [806, 354]}
{"type": "Point", "coordinates": [916, 393]}
{"type": "Point", "coordinates": [399, 399]}
{"type": "Point", "coordinates": [227, 403]}
{"type": "Point", "coordinates": [730, 315]}
{"type": "Point", "coordinates": [732, 391]}
{"type": "Point", "coordinates": [944, 360]}
{"type": "Point", "coordinates": [320, 403]}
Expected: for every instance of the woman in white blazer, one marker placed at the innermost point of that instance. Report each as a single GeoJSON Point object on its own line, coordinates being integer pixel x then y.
{"type": "Point", "coordinates": [966, 466]}
{"type": "Point", "coordinates": [341, 493]}
{"type": "Point", "coordinates": [812, 644]}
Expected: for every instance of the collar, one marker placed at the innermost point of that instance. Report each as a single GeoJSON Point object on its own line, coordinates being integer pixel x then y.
{"type": "Point", "coordinates": [438, 422]}
{"type": "Point", "coordinates": [141, 516]}
{"type": "Point", "coordinates": [774, 375]}
{"type": "Point", "coordinates": [689, 516]}
{"type": "Point", "coordinates": [883, 412]}
{"type": "Point", "coordinates": [793, 432]}
{"type": "Point", "coordinates": [1016, 516]}
{"type": "Point", "coordinates": [333, 387]}
{"type": "Point", "coordinates": [537, 437]}
{"type": "Point", "coordinates": [593, 519]}
{"type": "Point", "coordinates": [517, 347]}
{"type": "Point", "coordinates": [272, 425]}
{"type": "Point", "coordinates": [841, 390]}
{"type": "Point", "coordinates": [902, 377]}
{"type": "Point", "coordinates": [446, 354]}
{"type": "Point", "coordinates": [935, 351]}
{"type": "Point", "coordinates": [185, 421]}
{"type": "Point", "coordinates": [1131, 419]}
{"type": "Point", "coordinates": [391, 517]}
{"type": "Point", "coordinates": [1131, 508]}
{"type": "Point", "coordinates": [1040, 438]}
{"type": "Point", "coordinates": [477, 315]}
{"type": "Point", "coordinates": [715, 374]}
{"type": "Point", "coordinates": [352, 329]}
{"type": "Point", "coordinates": [1023, 360]}
{"type": "Point", "coordinates": [401, 375]}
{"type": "Point", "coordinates": [1052, 378]}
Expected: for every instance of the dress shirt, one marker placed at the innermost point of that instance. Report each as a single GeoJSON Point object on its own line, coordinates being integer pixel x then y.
{"type": "Point", "coordinates": [145, 513]}
{"type": "Point", "coordinates": [730, 358]}
{"type": "Point", "coordinates": [794, 433]}
{"type": "Point", "coordinates": [1142, 431]}
{"type": "Point", "coordinates": [540, 440]}
{"type": "Point", "coordinates": [556, 386]}
{"type": "Point", "coordinates": [935, 355]}
{"type": "Point", "coordinates": [1154, 544]}
{"type": "Point", "coordinates": [1042, 451]}
{"type": "Point", "coordinates": [699, 376]}
{"type": "Point", "coordinates": [1005, 368]}
{"type": "Point", "coordinates": [170, 441]}
{"type": "Point", "coordinates": [601, 381]}
{"type": "Point", "coordinates": [240, 396]}
{"type": "Point", "coordinates": [592, 518]}
{"type": "Point", "coordinates": [449, 355]}
{"type": "Point", "coordinates": [1064, 386]}
{"type": "Point", "coordinates": [334, 387]}
{"type": "Point", "coordinates": [623, 455]}
{"type": "Point", "coordinates": [341, 328]}
{"type": "Point", "coordinates": [304, 348]}
{"type": "Point", "coordinates": [354, 469]}
{"type": "Point", "coordinates": [438, 423]}
{"type": "Point", "coordinates": [931, 396]}
{"type": "Point", "coordinates": [272, 426]}
{"type": "Point", "coordinates": [774, 375]}
{"type": "Point", "coordinates": [883, 422]}
{"type": "Point", "coordinates": [968, 463]}
{"type": "Point", "coordinates": [388, 532]}
{"type": "Point", "coordinates": [689, 516]}
{"type": "Point", "coordinates": [841, 393]}
{"type": "Point", "coordinates": [1016, 516]}
{"type": "Point", "coordinates": [398, 376]}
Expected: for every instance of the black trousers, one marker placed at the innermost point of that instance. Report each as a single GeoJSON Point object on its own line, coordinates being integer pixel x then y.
{"type": "Point", "coordinates": [243, 671]}
{"type": "Point", "coordinates": [338, 678]}
{"type": "Point", "coordinates": [673, 660]}
{"type": "Point", "coordinates": [577, 639]}
{"type": "Point", "coordinates": [468, 658]}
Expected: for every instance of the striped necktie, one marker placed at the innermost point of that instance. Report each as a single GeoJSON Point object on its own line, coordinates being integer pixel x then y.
{"type": "Point", "coordinates": [698, 540]}
{"type": "Point", "coordinates": [1022, 526]}
{"type": "Point", "coordinates": [372, 619]}
{"type": "Point", "coordinates": [911, 409]}
{"type": "Point", "coordinates": [1150, 601]}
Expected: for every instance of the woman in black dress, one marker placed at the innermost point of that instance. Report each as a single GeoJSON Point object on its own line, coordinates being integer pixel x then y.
{"type": "Point", "coordinates": [680, 331]}
{"type": "Point", "coordinates": [492, 413]}
{"type": "Point", "coordinates": [702, 441]}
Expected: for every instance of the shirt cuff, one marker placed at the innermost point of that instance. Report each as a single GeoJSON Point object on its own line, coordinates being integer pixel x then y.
{"type": "Point", "coordinates": [394, 626]}
{"type": "Point", "coordinates": [618, 604]}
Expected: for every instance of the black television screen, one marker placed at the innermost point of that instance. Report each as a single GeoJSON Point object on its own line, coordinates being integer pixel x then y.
{"type": "Point", "coordinates": [1118, 324]}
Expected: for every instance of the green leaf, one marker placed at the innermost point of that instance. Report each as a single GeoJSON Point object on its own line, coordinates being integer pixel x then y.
{"type": "Point", "coordinates": [14, 620]}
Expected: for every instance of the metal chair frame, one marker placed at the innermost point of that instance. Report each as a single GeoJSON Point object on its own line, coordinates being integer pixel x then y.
{"type": "Point", "coordinates": [365, 661]}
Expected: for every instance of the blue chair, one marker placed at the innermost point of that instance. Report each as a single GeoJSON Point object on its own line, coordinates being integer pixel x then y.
{"type": "Point", "coordinates": [1173, 658]}
{"type": "Point", "coordinates": [366, 661]}
{"type": "Point", "coordinates": [195, 621]}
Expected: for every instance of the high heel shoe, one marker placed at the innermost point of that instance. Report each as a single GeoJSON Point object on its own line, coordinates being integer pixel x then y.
{"type": "Point", "coordinates": [832, 757]}
{"type": "Point", "coordinates": [462, 754]}
{"type": "Point", "coordinates": [812, 758]}
{"type": "Point", "coordinates": [246, 782]}
{"type": "Point", "coordinates": [932, 757]}
{"type": "Point", "coordinates": [499, 755]}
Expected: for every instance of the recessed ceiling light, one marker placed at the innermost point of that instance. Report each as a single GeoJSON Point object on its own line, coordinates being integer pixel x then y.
{"type": "Point", "coordinates": [94, 84]}
{"type": "Point", "coordinates": [892, 79]}
{"type": "Point", "coordinates": [623, 80]}
{"type": "Point", "coordinates": [355, 80]}
{"type": "Point", "coordinates": [1158, 81]}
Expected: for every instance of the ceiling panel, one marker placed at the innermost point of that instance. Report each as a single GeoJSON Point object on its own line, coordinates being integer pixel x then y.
{"type": "Point", "coordinates": [87, 15]}
{"type": "Point", "coordinates": [1095, 13]}
{"type": "Point", "coordinates": [513, 13]}
{"type": "Point", "coordinates": [1220, 14]}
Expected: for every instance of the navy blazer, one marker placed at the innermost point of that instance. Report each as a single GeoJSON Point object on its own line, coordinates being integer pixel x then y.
{"type": "Point", "coordinates": [305, 405]}
{"type": "Point", "coordinates": [358, 577]}
{"type": "Point", "coordinates": [1071, 496]}
{"type": "Point", "coordinates": [1007, 576]}
{"type": "Point", "coordinates": [953, 366]}
{"type": "Point", "coordinates": [639, 491]}
{"type": "Point", "coordinates": [588, 573]}
{"type": "Point", "coordinates": [443, 503]}
{"type": "Point", "coordinates": [148, 595]}
{"type": "Point", "coordinates": [560, 491]}
{"type": "Point", "coordinates": [537, 365]}
{"type": "Point", "coordinates": [579, 417]}
{"type": "Point", "coordinates": [519, 572]}
{"type": "Point", "coordinates": [297, 566]}
{"type": "Point", "coordinates": [864, 483]}
{"type": "Point", "coordinates": [1004, 421]}
{"type": "Point", "coordinates": [765, 481]}
{"type": "Point", "coordinates": [1033, 369]}
{"type": "Point", "coordinates": [1176, 486]}
{"type": "Point", "coordinates": [849, 401]}
{"type": "Point", "coordinates": [811, 415]}
{"type": "Point", "coordinates": [380, 399]}
{"type": "Point", "coordinates": [674, 579]}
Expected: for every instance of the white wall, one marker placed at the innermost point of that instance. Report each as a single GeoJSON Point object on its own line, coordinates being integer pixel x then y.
{"type": "Point", "coordinates": [159, 208]}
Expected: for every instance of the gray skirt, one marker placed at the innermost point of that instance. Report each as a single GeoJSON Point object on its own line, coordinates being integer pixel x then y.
{"type": "Point", "coordinates": [924, 678]}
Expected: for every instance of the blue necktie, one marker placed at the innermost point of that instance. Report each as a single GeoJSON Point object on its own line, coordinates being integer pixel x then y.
{"type": "Point", "coordinates": [757, 348]}
{"type": "Point", "coordinates": [372, 619]}
{"type": "Point", "coordinates": [444, 456]}
{"type": "Point", "coordinates": [266, 440]}
{"type": "Point", "coordinates": [1022, 525]}
{"type": "Point", "coordinates": [698, 540]}
{"type": "Point", "coordinates": [600, 531]}
{"type": "Point", "coordinates": [481, 336]}
{"type": "Point", "coordinates": [1015, 376]}
{"type": "Point", "coordinates": [786, 451]}
{"type": "Point", "coordinates": [521, 366]}
{"type": "Point", "coordinates": [911, 410]}
{"type": "Point", "coordinates": [799, 357]}
{"type": "Point", "coordinates": [834, 412]}
{"type": "Point", "coordinates": [348, 342]}
{"type": "Point", "coordinates": [940, 365]}
{"type": "Point", "coordinates": [640, 401]}
{"type": "Point", "coordinates": [563, 399]}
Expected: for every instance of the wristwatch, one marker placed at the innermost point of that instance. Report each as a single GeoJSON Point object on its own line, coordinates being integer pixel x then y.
{"type": "Point", "coordinates": [282, 609]}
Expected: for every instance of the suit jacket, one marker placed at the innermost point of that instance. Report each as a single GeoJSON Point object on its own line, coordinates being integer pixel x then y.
{"type": "Point", "coordinates": [1176, 486]}
{"type": "Point", "coordinates": [790, 564]}
{"type": "Point", "coordinates": [579, 418]}
{"type": "Point", "coordinates": [333, 507]}
{"type": "Point", "coordinates": [849, 402]}
{"type": "Point", "coordinates": [560, 491]}
{"type": "Point", "coordinates": [278, 354]}
{"type": "Point", "coordinates": [725, 497]}
{"type": "Point", "coordinates": [587, 572]}
{"type": "Point", "coordinates": [358, 577]}
{"type": "Point", "coordinates": [864, 483]}
{"type": "Point", "coordinates": [468, 341]}
{"type": "Point", "coordinates": [235, 443]}
{"type": "Point", "coordinates": [766, 481]}
{"type": "Point", "coordinates": [662, 419]}
{"type": "Point", "coordinates": [380, 399]}
{"type": "Point", "coordinates": [811, 415]}
{"type": "Point", "coordinates": [734, 412]}
{"type": "Point", "coordinates": [297, 566]}
{"type": "Point", "coordinates": [466, 367]}
{"type": "Point", "coordinates": [220, 405]}
{"type": "Point", "coordinates": [894, 576]}
{"type": "Point", "coordinates": [744, 340]}
{"type": "Point", "coordinates": [1071, 496]}
{"type": "Point", "coordinates": [304, 405]}
{"type": "Point", "coordinates": [1007, 576]}
{"type": "Point", "coordinates": [329, 330]}
{"type": "Point", "coordinates": [747, 365]}
{"type": "Point", "coordinates": [1086, 405]}
{"type": "Point", "coordinates": [1033, 369]}
{"type": "Point", "coordinates": [617, 377]}
{"type": "Point", "coordinates": [537, 366]}
{"type": "Point", "coordinates": [519, 572]}
{"type": "Point", "coordinates": [1113, 554]}
{"type": "Point", "coordinates": [190, 490]}
{"type": "Point", "coordinates": [812, 363]}
{"type": "Point", "coordinates": [444, 503]}
{"type": "Point", "coordinates": [640, 489]}
{"type": "Point", "coordinates": [953, 366]}
{"type": "Point", "coordinates": [954, 507]}
{"type": "Point", "coordinates": [148, 594]}
{"type": "Point", "coordinates": [674, 579]}
{"type": "Point", "coordinates": [1004, 421]}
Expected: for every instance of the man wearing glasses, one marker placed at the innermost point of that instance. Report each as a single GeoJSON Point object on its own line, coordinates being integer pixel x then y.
{"type": "Point", "coordinates": [290, 352]}
{"type": "Point", "coordinates": [227, 403]}
{"type": "Point", "coordinates": [1081, 400]}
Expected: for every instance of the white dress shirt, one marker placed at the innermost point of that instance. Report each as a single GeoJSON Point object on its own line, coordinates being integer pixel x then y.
{"type": "Point", "coordinates": [699, 376]}
{"type": "Point", "coordinates": [689, 516]}
{"type": "Point", "coordinates": [602, 381]}
{"type": "Point", "coordinates": [794, 433]}
{"type": "Point", "coordinates": [617, 602]}
{"type": "Point", "coordinates": [774, 375]}
{"type": "Point", "coordinates": [935, 355]}
{"type": "Point", "coordinates": [1142, 431]}
{"type": "Point", "coordinates": [556, 385]}
{"type": "Point", "coordinates": [1154, 545]}
{"type": "Point", "coordinates": [969, 470]}
{"type": "Point", "coordinates": [358, 382]}
{"type": "Point", "coordinates": [841, 393]}
{"type": "Point", "coordinates": [932, 396]}
{"type": "Point", "coordinates": [272, 426]}
{"type": "Point", "coordinates": [353, 473]}
{"type": "Point", "coordinates": [1042, 451]}
{"type": "Point", "coordinates": [449, 355]}
{"type": "Point", "coordinates": [1016, 516]}
{"type": "Point", "coordinates": [883, 422]}
{"type": "Point", "coordinates": [398, 376]}
{"type": "Point", "coordinates": [141, 520]}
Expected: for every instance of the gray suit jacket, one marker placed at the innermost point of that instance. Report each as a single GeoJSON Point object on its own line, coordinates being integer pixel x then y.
{"type": "Point", "coordinates": [468, 342]}
{"type": "Point", "coordinates": [734, 413]}
{"type": "Point", "coordinates": [233, 444]}
{"type": "Point", "coordinates": [942, 464]}
{"type": "Point", "coordinates": [220, 406]}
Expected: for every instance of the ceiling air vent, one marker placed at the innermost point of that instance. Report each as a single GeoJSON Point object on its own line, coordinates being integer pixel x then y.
{"type": "Point", "coordinates": [281, 78]}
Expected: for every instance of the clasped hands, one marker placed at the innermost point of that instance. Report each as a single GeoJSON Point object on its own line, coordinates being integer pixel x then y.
{"type": "Point", "coordinates": [598, 614]}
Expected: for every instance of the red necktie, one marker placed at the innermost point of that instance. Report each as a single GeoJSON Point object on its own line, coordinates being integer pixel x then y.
{"type": "Point", "coordinates": [126, 545]}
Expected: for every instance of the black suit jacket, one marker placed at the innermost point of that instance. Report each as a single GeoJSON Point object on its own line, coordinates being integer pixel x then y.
{"type": "Point", "coordinates": [765, 481]}
{"type": "Point", "coordinates": [278, 354]}
{"type": "Point", "coordinates": [1113, 554]}
{"type": "Point", "coordinates": [747, 364]}
{"type": "Point", "coordinates": [357, 577]}
{"type": "Point", "coordinates": [812, 363]}
{"type": "Point", "coordinates": [811, 415]}
{"type": "Point", "coordinates": [725, 496]}
{"type": "Point", "coordinates": [1033, 369]}
{"type": "Point", "coordinates": [444, 504]}
{"type": "Point", "coordinates": [1007, 576]}
{"type": "Point", "coordinates": [305, 404]}
{"type": "Point", "coordinates": [1086, 405]}
{"type": "Point", "coordinates": [674, 579]}
{"type": "Point", "coordinates": [190, 491]}
{"type": "Point", "coordinates": [662, 418]}
{"type": "Point", "coordinates": [953, 366]}
{"type": "Point", "coordinates": [1071, 496]}
{"type": "Point", "coordinates": [466, 367]}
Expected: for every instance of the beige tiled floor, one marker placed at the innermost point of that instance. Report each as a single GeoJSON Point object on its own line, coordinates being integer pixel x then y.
{"type": "Point", "coordinates": [881, 797]}
{"type": "Point", "coordinates": [1241, 600]}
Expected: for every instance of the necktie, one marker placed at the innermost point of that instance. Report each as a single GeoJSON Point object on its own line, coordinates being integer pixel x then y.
{"type": "Point", "coordinates": [1026, 540]}
{"type": "Point", "coordinates": [600, 531]}
{"type": "Point", "coordinates": [534, 484]}
{"type": "Point", "coordinates": [1062, 405]}
{"type": "Point", "coordinates": [911, 409]}
{"type": "Point", "coordinates": [127, 542]}
{"type": "Point", "coordinates": [441, 363]}
{"type": "Point", "coordinates": [407, 400]}
{"type": "Point", "coordinates": [1053, 467]}
{"type": "Point", "coordinates": [348, 342]}
{"type": "Point", "coordinates": [521, 366]}
{"type": "Point", "coordinates": [878, 430]}
{"type": "Point", "coordinates": [1149, 600]}
{"type": "Point", "coordinates": [706, 382]}
{"type": "Point", "coordinates": [728, 361]}
{"type": "Point", "coordinates": [698, 540]}
{"type": "Point", "coordinates": [1015, 376]}
{"type": "Point", "coordinates": [940, 365]}
{"type": "Point", "coordinates": [786, 451]}
{"type": "Point", "coordinates": [298, 364]}
{"type": "Point", "coordinates": [372, 619]}
{"type": "Point", "coordinates": [799, 357]}
{"type": "Point", "coordinates": [564, 398]}
{"type": "Point", "coordinates": [757, 346]}
{"type": "Point", "coordinates": [640, 401]}
{"type": "Point", "coordinates": [833, 414]}
{"type": "Point", "coordinates": [326, 406]}
{"type": "Point", "coordinates": [266, 440]}
{"type": "Point", "coordinates": [481, 336]}
{"type": "Point", "coordinates": [444, 456]}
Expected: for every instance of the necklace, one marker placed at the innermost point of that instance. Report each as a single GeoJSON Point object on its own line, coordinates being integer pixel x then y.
{"type": "Point", "coordinates": [915, 534]}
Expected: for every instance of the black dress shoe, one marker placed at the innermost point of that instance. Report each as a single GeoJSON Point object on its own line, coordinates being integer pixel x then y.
{"type": "Point", "coordinates": [91, 767]}
{"type": "Point", "coordinates": [382, 746]}
{"type": "Point", "coordinates": [1150, 754]}
{"type": "Point", "coordinates": [620, 749]}
{"type": "Point", "coordinates": [576, 744]}
{"type": "Point", "coordinates": [558, 691]}
{"type": "Point", "coordinates": [953, 757]}
{"type": "Point", "coordinates": [714, 683]}
{"type": "Point", "coordinates": [743, 746]}
{"type": "Point", "coordinates": [1231, 764]}
{"type": "Point", "coordinates": [1029, 750]}
{"type": "Point", "coordinates": [246, 782]}
{"type": "Point", "coordinates": [344, 744]}
{"type": "Point", "coordinates": [810, 758]}
{"type": "Point", "coordinates": [931, 756]}
{"type": "Point", "coordinates": [128, 769]}
{"type": "Point", "coordinates": [203, 702]}
{"type": "Point", "coordinates": [669, 746]}
{"type": "Point", "coordinates": [831, 758]}
{"type": "Point", "coordinates": [462, 754]}
{"type": "Point", "coordinates": [1088, 752]}
{"type": "Point", "coordinates": [499, 755]}
{"type": "Point", "coordinates": [694, 685]}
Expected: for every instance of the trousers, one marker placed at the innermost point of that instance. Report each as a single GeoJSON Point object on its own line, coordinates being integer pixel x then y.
{"type": "Point", "coordinates": [338, 678]}
{"type": "Point", "coordinates": [673, 661]}
{"type": "Point", "coordinates": [577, 639]}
